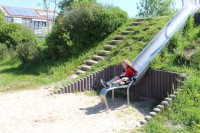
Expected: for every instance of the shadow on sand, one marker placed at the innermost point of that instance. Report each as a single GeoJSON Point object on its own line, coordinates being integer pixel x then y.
{"type": "Point", "coordinates": [143, 106]}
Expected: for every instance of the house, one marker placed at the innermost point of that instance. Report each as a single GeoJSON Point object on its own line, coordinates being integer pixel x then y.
{"type": "Point", "coordinates": [35, 19]}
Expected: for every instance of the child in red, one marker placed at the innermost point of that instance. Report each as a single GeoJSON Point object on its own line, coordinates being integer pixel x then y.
{"type": "Point", "coordinates": [129, 72]}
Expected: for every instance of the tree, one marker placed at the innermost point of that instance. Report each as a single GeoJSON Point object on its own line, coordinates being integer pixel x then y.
{"type": "Point", "coordinates": [82, 26]}
{"type": "Point", "coordinates": [64, 4]}
{"type": "Point", "coordinates": [46, 4]}
{"type": "Point", "coordinates": [2, 18]}
{"type": "Point", "coordinates": [54, 11]}
{"type": "Point", "coordinates": [154, 8]}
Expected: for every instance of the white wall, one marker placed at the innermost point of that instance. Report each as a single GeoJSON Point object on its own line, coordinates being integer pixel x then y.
{"type": "Point", "coordinates": [17, 20]}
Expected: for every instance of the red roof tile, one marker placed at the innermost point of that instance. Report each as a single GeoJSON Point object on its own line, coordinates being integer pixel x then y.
{"type": "Point", "coordinates": [38, 11]}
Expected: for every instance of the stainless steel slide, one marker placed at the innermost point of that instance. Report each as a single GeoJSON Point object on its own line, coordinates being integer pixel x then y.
{"type": "Point", "coordinates": [150, 51]}
{"type": "Point", "coordinates": [142, 61]}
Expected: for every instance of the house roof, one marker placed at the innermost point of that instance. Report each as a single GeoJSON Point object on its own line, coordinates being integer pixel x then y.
{"type": "Point", "coordinates": [20, 12]}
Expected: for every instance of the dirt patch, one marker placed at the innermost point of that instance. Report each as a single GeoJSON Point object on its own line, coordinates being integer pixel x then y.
{"type": "Point", "coordinates": [34, 111]}
{"type": "Point", "coordinates": [189, 52]}
{"type": "Point", "coordinates": [173, 126]}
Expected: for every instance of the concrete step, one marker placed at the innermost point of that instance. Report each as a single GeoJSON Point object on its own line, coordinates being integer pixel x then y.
{"type": "Point", "coordinates": [85, 67]}
{"type": "Point", "coordinates": [109, 47]}
{"type": "Point", "coordinates": [120, 37]}
{"type": "Point", "coordinates": [135, 23]}
{"type": "Point", "coordinates": [79, 72]}
{"type": "Point", "coordinates": [141, 19]}
{"type": "Point", "coordinates": [130, 28]}
{"type": "Point", "coordinates": [90, 62]}
{"type": "Point", "coordinates": [114, 42]}
{"type": "Point", "coordinates": [126, 32]}
{"type": "Point", "coordinates": [97, 58]}
{"type": "Point", "coordinates": [103, 52]}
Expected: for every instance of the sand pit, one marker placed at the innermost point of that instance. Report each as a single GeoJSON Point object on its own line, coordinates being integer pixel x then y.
{"type": "Point", "coordinates": [34, 111]}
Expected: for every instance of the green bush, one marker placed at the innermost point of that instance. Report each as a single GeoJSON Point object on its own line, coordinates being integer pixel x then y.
{"type": "Point", "coordinates": [28, 51]}
{"type": "Point", "coordinates": [12, 34]}
{"type": "Point", "coordinates": [82, 26]}
{"type": "Point", "coordinates": [174, 42]}
{"type": "Point", "coordinates": [195, 60]}
{"type": "Point", "coordinates": [190, 31]}
{"type": "Point", "coordinates": [2, 19]}
{"type": "Point", "coordinates": [3, 51]}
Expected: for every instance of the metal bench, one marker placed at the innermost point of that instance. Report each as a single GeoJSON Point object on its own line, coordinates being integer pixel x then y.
{"type": "Point", "coordinates": [104, 92]}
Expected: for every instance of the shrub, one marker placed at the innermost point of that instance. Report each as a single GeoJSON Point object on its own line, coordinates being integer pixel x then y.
{"type": "Point", "coordinates": [174, 42]}
{"type": "Point", "coordinates": [12, 34]}
{"type": "Point", "coordinates": [190, 31]}
{"type": "Point", "coordinates": [23, 51]}
{"type": "Point", "coordinates": [195, 60]}
{"type": "Point", "coordinates": [83, 26]}
{"type": "Point", "coordinates": [58, 42]}
{"type": "Point", "coordinates": [28, 51]}
{"type": "Point", "coordinates": [3, 51]}
{"type": "Point", "coordinates": [2, 18]}
{"type": "Point", "coordinates": [13, 54]}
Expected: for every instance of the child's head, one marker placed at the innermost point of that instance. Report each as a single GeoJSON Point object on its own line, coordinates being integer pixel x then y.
{"type": "Point", "coordinates": [126, 63]}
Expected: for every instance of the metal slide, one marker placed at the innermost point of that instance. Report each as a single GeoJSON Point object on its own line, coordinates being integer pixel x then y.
{"type": "Point", "coordinates": [141, 62]}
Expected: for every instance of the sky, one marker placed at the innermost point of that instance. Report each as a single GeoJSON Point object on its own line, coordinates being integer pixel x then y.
{"type": "Point", "coordinates": [130, 6]}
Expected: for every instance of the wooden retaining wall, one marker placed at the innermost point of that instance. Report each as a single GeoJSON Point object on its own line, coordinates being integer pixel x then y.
{"type": "Point", "coordinates": [156, 84]}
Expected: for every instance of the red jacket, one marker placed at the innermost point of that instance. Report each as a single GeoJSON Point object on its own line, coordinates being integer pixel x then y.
{"type": "Point", "coordinates": [130, 72]}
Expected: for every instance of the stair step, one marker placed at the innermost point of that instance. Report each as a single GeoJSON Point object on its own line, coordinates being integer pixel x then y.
{"type": "Point", "coordinates": [114, 42]}
{"type": "Point", "coordinates": [126, 32]}
{"type": "Point", "coordinates": [85, 67]}
{"type": "Point", "coordinates": [119, 37]}
{"type": "Point", "coordinates": [97, 58]}
{"type": "Point", "coordinates": [109, 47]}
{"type": "Point", "coordinates": [130, 28]}
{"type": "Point", "coordinates": [135, 23]}
{"type": "Point", "coordinates": [141, 19]}
{"type": "Point", "coordinates": [103, 52]}
{"type": "Point", "coordinates": [90, 62]}
{"type": "Point", "coordinates": [79, 72]}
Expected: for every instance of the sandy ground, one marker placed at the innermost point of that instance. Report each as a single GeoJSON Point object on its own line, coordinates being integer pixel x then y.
{"type": "Point", "coordinates": [33, 111]}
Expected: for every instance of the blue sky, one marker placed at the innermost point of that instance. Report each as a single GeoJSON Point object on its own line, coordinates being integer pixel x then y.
{"type": "Point", "coordinates": [128, 5]}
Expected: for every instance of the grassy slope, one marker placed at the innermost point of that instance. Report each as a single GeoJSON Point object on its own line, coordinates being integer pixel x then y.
{"type": "Point", "coordinates": [133, 44]}
{"type": "Point", "coordinates": [182, 117]}
{"type": "Point", "coordinates": [16, 76]}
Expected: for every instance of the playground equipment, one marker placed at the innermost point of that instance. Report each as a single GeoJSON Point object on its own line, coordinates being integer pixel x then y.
{"type": "Point", "coordinates": [141, 62]}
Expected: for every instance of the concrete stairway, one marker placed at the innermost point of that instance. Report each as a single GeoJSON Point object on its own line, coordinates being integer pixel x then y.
{"type": "Point", "coordinates": [107, 49]}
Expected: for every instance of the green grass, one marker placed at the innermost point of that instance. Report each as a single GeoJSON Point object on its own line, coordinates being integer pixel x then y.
{"type": "Point", "coordinates": [17, 76]}
{"type": "Point", "coordinates": [183, 116]}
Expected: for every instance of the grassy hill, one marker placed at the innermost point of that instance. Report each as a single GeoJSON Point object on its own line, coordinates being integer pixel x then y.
{"type": "Point", "coordinates": [17, 76]}
{"type": "Point", "coordinates": [182, 54]}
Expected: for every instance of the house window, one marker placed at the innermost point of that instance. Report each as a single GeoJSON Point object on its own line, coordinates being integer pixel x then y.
{"type": "Point", "coordinates": [44, 24]}
{"type": "Point", "coordinates": [9, 19]}
{"type": "Point", "coordinates": [39, 24]}
{"type": "Point", "coordinates": [36, 24]}
{"type": "Point", "coordinates": [26, 22]}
